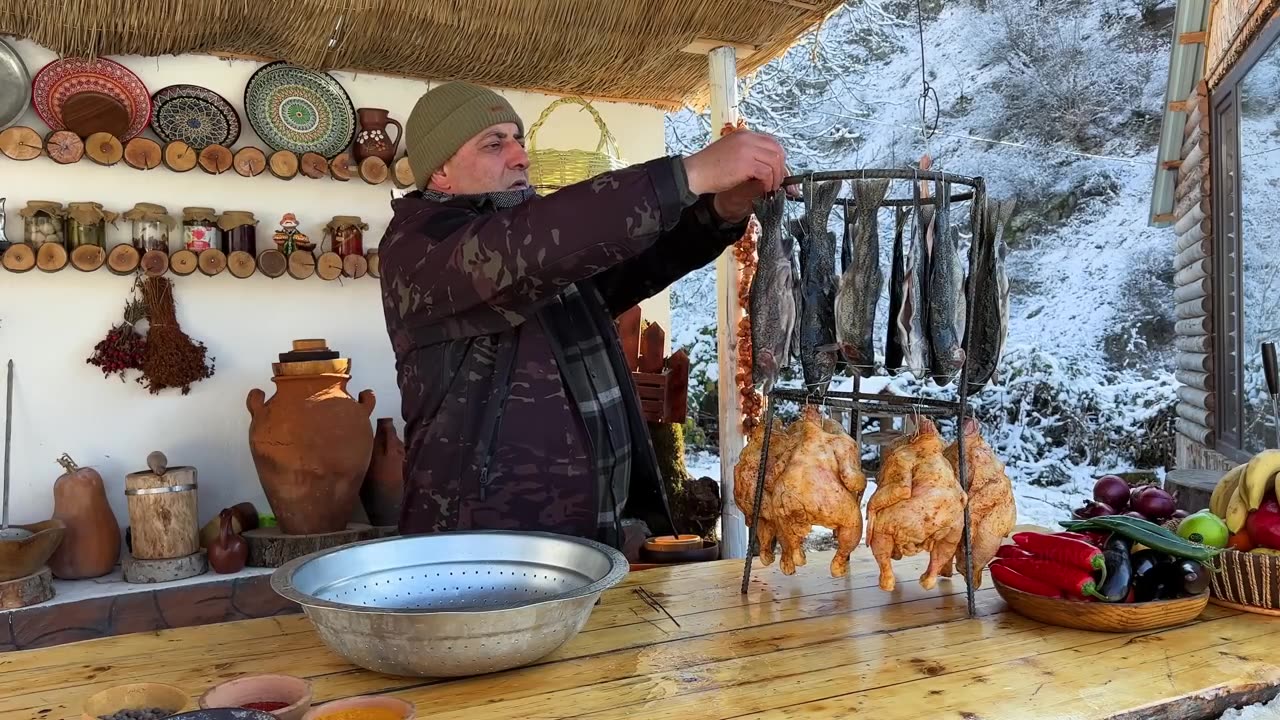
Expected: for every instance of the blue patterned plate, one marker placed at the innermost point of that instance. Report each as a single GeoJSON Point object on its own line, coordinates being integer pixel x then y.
{"type": "Point", "coordinates": [292, 108]}
{"type": "Point", "coordinates": [197, 116]}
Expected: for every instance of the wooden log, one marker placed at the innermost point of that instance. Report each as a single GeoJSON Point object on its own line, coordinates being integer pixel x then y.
{"type": "Point", "coordinates": [373, 170]}
{"type": "Point", "coordinates": [51, 257]}
{"type": "Point", "coordinates": [183, 262]}
{"type": "Point", "coordinates": [241, 264]}
{"type": "Point", "coordinates": [1189, 238]}
{"type": "Point", "coordinates": [1191, 161]}
{"type": "Point", "coordinates": [1192, 254]}
{"type": "Point", "coordinates": [1193, 343]}
{"type": "Point", "coordinates": [1197, 397]}
{"type": "Point", "coordinates": [1199, 381]}
{"type": "Point", "coordinates": [375, 262]}
{"type": "Point", "coordinates": [677, 408]}
{"type": "Point", "coordinates": [403, 173]}
{"type": "Point", "coordinates": [123, 259]}
{"type": "Point", "coordinates": [340, 167]}
{"type": "Point", "coordinates": [18, 258]}
{"type": "Point", "coordinates": [249, 161]}
{"type": "Point", "coordinates": [628, 325]}
{"type": "Point", "coordinates": [329, 266]}
{"type": "Point", "coordinates": [1198, 433]}
{"type": "Point", "coordinates": [1193, 184]}
{"type": "Point", "coordinates": [212, 261]}
{"type": "Point", "coordinates": [64, 147]}
{"type": "Point", "coordinates": [270, 547]}
{"type": "Point", "coordinates": [1190, 220]}
{"type": "Point", "coordinates": [1193, 272]}
{"type": "Point", "coordinates": [1196, 362]}
{"type": "Point", "coordinates": [88, 258]}
{"type": "Point", "coordinates": [155, 263]}
{"type": "Point", "coordinates": [1196, 137]}
{"type": "Point", "coordinates": [314, 165]}
{"type": "Point", "coordinates": [104, 148]}
{"type": "Point", "coordinates": [180, 157]}
{"type": "Point", "coordinates": [21, 143]}
{"type": "Point", "coordinates": [272, 263]}
{"type": "Point", "coordinates": [1186, 204]}
{"type": "Point", "coordinates": [1194, 326]}
{"type": "Point", "coordinates": [216, 159]}
{"type": "Point", "coordinates": [143, 153]}
{"type": "Point", "coordinates": [283, 164]}
{"type": "Point", "coordinates": [355, 266]}
{"type": "Point", "coordinates": [1197, 289]}
{"type": "Point", "coordinates": [161, 571]}
{"type": "Point", "coordinates": [653, 340]}
{"type": "Point", "coordinates": [162, 511]}
{"type": "Point", "coordinates": [27, 591]}
{"type": "Point", "coordinates": [1199, 307]}
{"type": "Point", "coordinates": [301, 264]}
{"type": "Point", "coordinates": [1197, 415]}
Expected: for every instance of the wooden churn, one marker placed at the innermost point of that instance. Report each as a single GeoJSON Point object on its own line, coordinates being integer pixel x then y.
{"type": "Point", "coordinates": [162, 510]}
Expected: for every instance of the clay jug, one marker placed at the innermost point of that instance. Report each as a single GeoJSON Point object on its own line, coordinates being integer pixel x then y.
{"type": "Point", "coordinates": [91, 546]}
{"type": "Point", "coordinates": [372, 139]}
{"type": "Point", "coordinates": [311, 444]}
{"type": "Point", "coordinates": [229, 552]}
{"type": "Point", "coordinates": [383, 486]}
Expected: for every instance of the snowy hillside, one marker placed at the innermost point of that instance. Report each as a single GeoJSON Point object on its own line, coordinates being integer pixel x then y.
{"type": "Point", "coordinates": [1055, 103]}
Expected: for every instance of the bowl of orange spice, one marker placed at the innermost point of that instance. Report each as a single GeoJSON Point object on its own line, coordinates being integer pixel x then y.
{"type": "Point", "coordinates": [364, 707]}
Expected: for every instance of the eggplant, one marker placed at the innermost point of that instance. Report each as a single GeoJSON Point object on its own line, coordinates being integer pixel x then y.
{"type": "Point", "coordinates": [1115, 552]}
{"type": "Point", "coordinates": [1195, 577]}
{"type": "Point", "coordinates": [1155, 576]}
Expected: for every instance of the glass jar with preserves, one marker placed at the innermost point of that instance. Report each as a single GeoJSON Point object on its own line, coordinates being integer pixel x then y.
{"type": "Point", "coordinates": [240, 230]}
{"type": "Point", "coordinates": [87, 224]}
{"type": "Point", "coordinates": [151, 226]}
{"type": "Point", "coordinates": [346, 235]}
{"type": "Point", "coordinates": [44, 221]}
{"type": "Point", "coordinates": [200, 229]}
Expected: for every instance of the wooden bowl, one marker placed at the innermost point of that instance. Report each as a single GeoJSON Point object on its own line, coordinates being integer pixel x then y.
{"type": "Point", "coordinates": [262, 688]}
{"type": "Point", "coordinates": [1247, 581]}
{"type": "Point", "coordinates": [406, 710]}
{"type": "Point", "coordinates": [135, 696]}
{"type": "Point", "coordinates": [705, 551]}
{"type": "Point", "coordinates": [672, 543]}
{"type": "Point", "coordinates": [20, 558]}
{"type": "Point", "coordinates": [1104, 617]}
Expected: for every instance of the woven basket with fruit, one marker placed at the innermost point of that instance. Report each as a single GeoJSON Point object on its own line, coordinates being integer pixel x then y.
{"type": "Point", "coordinates": [1245, 498]}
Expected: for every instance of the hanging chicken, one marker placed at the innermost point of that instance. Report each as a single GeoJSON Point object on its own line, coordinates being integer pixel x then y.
{"type": "Point", "coordinates": [747, 473]}
{"type": "Point", "coordinates": [992, 510]}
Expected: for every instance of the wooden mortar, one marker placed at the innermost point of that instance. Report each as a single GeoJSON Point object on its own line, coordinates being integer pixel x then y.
{"type": "Point", "coordinates": [162, 510]}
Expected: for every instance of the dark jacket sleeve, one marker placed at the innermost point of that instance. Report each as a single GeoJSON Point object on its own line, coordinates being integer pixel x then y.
{"type": "Point", "coordinates": [450, 271]}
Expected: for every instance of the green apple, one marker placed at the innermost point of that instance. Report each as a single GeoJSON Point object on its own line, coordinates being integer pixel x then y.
{"type": "Point", "coordinates": [1205, 528]}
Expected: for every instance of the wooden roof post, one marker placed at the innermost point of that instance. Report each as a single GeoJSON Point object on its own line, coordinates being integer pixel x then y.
{"type": "Point", "coordinates": [723, 66]}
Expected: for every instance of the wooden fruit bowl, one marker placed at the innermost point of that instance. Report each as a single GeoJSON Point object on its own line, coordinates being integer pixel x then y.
{"type": "Point", "coordinates": [20, 558]}
{"type": "Point", "coordinates": [1105, 617]}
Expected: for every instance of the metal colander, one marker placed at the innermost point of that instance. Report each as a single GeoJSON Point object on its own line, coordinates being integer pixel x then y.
{"type": "Point", "coordinates": [451, 604]}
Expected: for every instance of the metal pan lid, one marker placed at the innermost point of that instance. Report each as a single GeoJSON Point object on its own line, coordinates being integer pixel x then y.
{"type": "Point", "coordinates": [15, 86]}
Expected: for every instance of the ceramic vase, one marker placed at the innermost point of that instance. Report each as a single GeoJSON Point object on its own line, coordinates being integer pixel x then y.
{"type": "Point", "coordinates": [383, 487]}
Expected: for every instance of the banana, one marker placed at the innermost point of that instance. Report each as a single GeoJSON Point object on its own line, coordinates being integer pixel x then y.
{"type": "Point", "coordinates": [1257, 477]}
{"type": "Point", "coordinates": [1223, 490]}
{"type": "Point", "coordinates": [1237, 510]}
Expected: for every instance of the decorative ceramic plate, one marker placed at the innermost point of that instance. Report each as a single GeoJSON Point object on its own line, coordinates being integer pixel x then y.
{"type": "Point", "coordinates": [15, 86]}
{"type": "Point", "coordinates": [195, 115]}
{"type": "Point", "coordinates": [88, 96]}
{"type": "Point", "coordinates": [292, 108]}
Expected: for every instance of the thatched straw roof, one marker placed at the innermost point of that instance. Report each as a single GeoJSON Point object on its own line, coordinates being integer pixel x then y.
{"type": "Point", "coordinates": [632, 50]}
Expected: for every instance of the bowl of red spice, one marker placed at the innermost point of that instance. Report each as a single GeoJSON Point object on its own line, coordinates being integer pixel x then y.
{"type": "Point", "coordinates": [364, 707]}
{"type": "Point", "coordinates": [284, 696]}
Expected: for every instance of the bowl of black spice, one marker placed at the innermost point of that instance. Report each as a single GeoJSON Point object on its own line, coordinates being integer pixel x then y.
{"type": "Point", "coordinates": [136, 701]}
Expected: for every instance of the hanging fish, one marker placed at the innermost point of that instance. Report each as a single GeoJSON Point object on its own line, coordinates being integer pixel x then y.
{"type": "Point", "coordinates": [818, 349]}
{"type": "Point", "coordinates": [859, 291]}
{"type": "Point", "coordinates": [946, 302]}
{"type": "Point", "coordinates": [846, 246]}
{"type": "Point", "coordinates": [893, 353]}
{"type": "Point", "coordinates": [1003, 215]}
{"type": "Point", "coordinates": [915, 270]}
{"type": "Point", "coordinates": [797, 234]}
{"type": "Point", "coordinates": [771, 302]}
{"type": "Point", "coordinates": [985, 337]}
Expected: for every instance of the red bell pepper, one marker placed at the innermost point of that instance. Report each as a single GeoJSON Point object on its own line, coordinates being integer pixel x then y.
{"type": "Point", "coordinates": [1006, 576]}
{"type": "Point", "coordinates": [1076, 583]}
{"type": "Point", "coordinates": [1062, 550]}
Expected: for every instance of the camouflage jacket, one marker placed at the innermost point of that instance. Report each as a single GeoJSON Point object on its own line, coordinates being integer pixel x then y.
{"type": "Point", "coordinates": [481, 391]}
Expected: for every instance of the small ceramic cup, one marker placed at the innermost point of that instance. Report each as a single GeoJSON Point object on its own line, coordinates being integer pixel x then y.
{"type": "Point", "coordinates": [262, 688]}
{"type": "Point", "coordinates": [134, 696]}
{"type": "Point", "coordinates": [406, 710]}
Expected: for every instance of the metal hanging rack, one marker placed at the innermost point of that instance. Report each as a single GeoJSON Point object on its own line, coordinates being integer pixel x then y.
{"type": "Point", "coordinates": [888, 405]}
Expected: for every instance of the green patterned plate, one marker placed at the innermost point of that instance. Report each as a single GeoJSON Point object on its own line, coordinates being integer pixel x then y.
{"type": "Point", "coordinates": [292, 108]}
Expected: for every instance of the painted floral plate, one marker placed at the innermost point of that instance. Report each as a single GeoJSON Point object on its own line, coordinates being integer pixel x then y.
{"type": "Point", "coordinates": [195, 115]}
{"type": "Point", "coordinates": [292, 108]}
{"type": "Point", "coordinates": [88, 96]}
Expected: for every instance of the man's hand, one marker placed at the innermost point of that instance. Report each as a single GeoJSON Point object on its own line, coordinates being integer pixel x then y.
{"type": "Point", "coordinates": [738, 169]}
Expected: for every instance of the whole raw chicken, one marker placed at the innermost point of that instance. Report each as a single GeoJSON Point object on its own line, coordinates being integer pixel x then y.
{"type": "Point", "coordinates": [747, 472]}
{"type": "Point", "coordinates": [918, 506]}
{"type": "Point", "coordinates": [992, 510]}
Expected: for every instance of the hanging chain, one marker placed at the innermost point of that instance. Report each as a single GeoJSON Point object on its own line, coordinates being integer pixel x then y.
{"type": "Point", "coordinates": [927, 94]}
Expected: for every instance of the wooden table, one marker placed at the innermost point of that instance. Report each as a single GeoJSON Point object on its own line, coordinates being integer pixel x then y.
{"type": "Point", "coordinates": [803, 646]}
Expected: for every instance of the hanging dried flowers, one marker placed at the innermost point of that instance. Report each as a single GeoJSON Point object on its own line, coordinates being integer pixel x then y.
{"type": "Point", "coordinates": [124, 348]}
{"type": "Point", "coordinates": [172, 360]}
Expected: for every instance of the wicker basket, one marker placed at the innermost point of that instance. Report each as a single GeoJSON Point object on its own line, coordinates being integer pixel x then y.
{"type": "Point", "coordinates": [550, 170]}
{"type": "Point", "coordinates": [1247, 581]}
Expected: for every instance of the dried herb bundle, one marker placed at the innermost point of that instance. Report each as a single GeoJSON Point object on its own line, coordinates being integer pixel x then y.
{"type": "Point", "coordinates": [172, 360]}
{"type": "Point", "coordinates": [124, 348]}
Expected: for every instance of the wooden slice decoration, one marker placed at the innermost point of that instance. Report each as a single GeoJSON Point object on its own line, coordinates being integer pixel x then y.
{"type": "Point", "coordinates": [212, 261]}
{"type": "Point", "coordinates": [340, 167]}
{"type": "Point", "coordinates": [64, 146]}
{"type": "Point", "coordinates": [123, 259]}
{"type": "Point", "coordinates": [142, 153]}
{"type": "Point", "coordinates": [103, 148]}
{"type": "Point", "coordinates": [404, 173]}
{"type": "Point", "coordinates": [21, 143]}
{"type": "Point", "coordinates": [183, 262]}
{"type": "Point", "coordinates": [155, 263]}
{"type": "Point", "coordinates": [375, 262]}
{"type": "Point", "coordinates": [329, 266]}
{"type": "Point", "coordinates": [249, 161]}
{"type": "Point", "coordinates": [26, 591]}
{"type": "Point", "coordinates": [241, 264]}
{"type": "Point", "coordinates": [215, 159]}
{"type": "Point", "coordinates": [355, 266]}
{"type": "Point", "coordinates": [302, 264]}
{"type": "Point", "coordinates": [373, 170]}
{"type": "Point", "coordinates": [314, 165]}
{"type": "Point", "coordinates": [18, 258]}
{"type": "Point", "coordinates": [272, 263]}
{"type": "Point", "coordinates": [180, 157]}
{"type": "Point", "coordinates": [88, 258]}
{"type": "Point", "coordinates": [283, 164]}
{"type": "Point", "coordinates": [51, 257]}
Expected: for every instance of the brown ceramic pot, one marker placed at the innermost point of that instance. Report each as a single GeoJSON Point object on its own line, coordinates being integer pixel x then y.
{"type": "Point", "coordinates": [372, 139]}
{"type": "Point", "coordinates": [383, 486]}
{"type": "Point", "coordinates": [91, 544]}
{"type": "Point", "coordinates": [311, 443]}
{"type": "Point", "coordinates": [229, 552]}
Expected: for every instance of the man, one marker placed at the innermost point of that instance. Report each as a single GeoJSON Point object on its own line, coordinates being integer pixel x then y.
{"type": "Point", "coordinates": [520, 411]}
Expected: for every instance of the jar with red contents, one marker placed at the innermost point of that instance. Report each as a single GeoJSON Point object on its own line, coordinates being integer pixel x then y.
{"type": "Point", "coordinates": [200, 229]}
{"type": "Point", "coordinates": [346, 233]}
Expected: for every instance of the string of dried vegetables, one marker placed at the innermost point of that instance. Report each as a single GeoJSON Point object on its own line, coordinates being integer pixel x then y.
{"type": "Point", "coordinates": [744, 252]}
{"type": "Point", "coordinates": [172, 359]}
{"type": "Point", "coordinates": [123, 348]}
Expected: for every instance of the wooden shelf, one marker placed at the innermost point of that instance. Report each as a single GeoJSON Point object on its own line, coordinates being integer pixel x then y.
{"type": "Point", "coordinates": [124, 259]}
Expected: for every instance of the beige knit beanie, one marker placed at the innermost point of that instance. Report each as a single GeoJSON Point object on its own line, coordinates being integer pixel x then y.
{"type": "Point", "coordinates": [445, 118]}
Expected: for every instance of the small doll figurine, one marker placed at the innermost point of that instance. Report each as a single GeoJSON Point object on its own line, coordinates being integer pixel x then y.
{"type": "Point", "coordinates": [288, 238]}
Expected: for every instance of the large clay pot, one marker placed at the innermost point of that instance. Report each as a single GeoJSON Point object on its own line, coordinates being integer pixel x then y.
{"type": "Point", "coordinates": [372, 140]}
{"type": "Point", "coordinates": [383, 487]}
{"type": "Point", "coordinates": [90, 547]}
{"type": "Point", "coordinates": [311, 444]}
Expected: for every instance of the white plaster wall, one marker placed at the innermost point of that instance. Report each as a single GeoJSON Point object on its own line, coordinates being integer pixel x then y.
{"type": "Point", "coordinates": [50, 322]}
